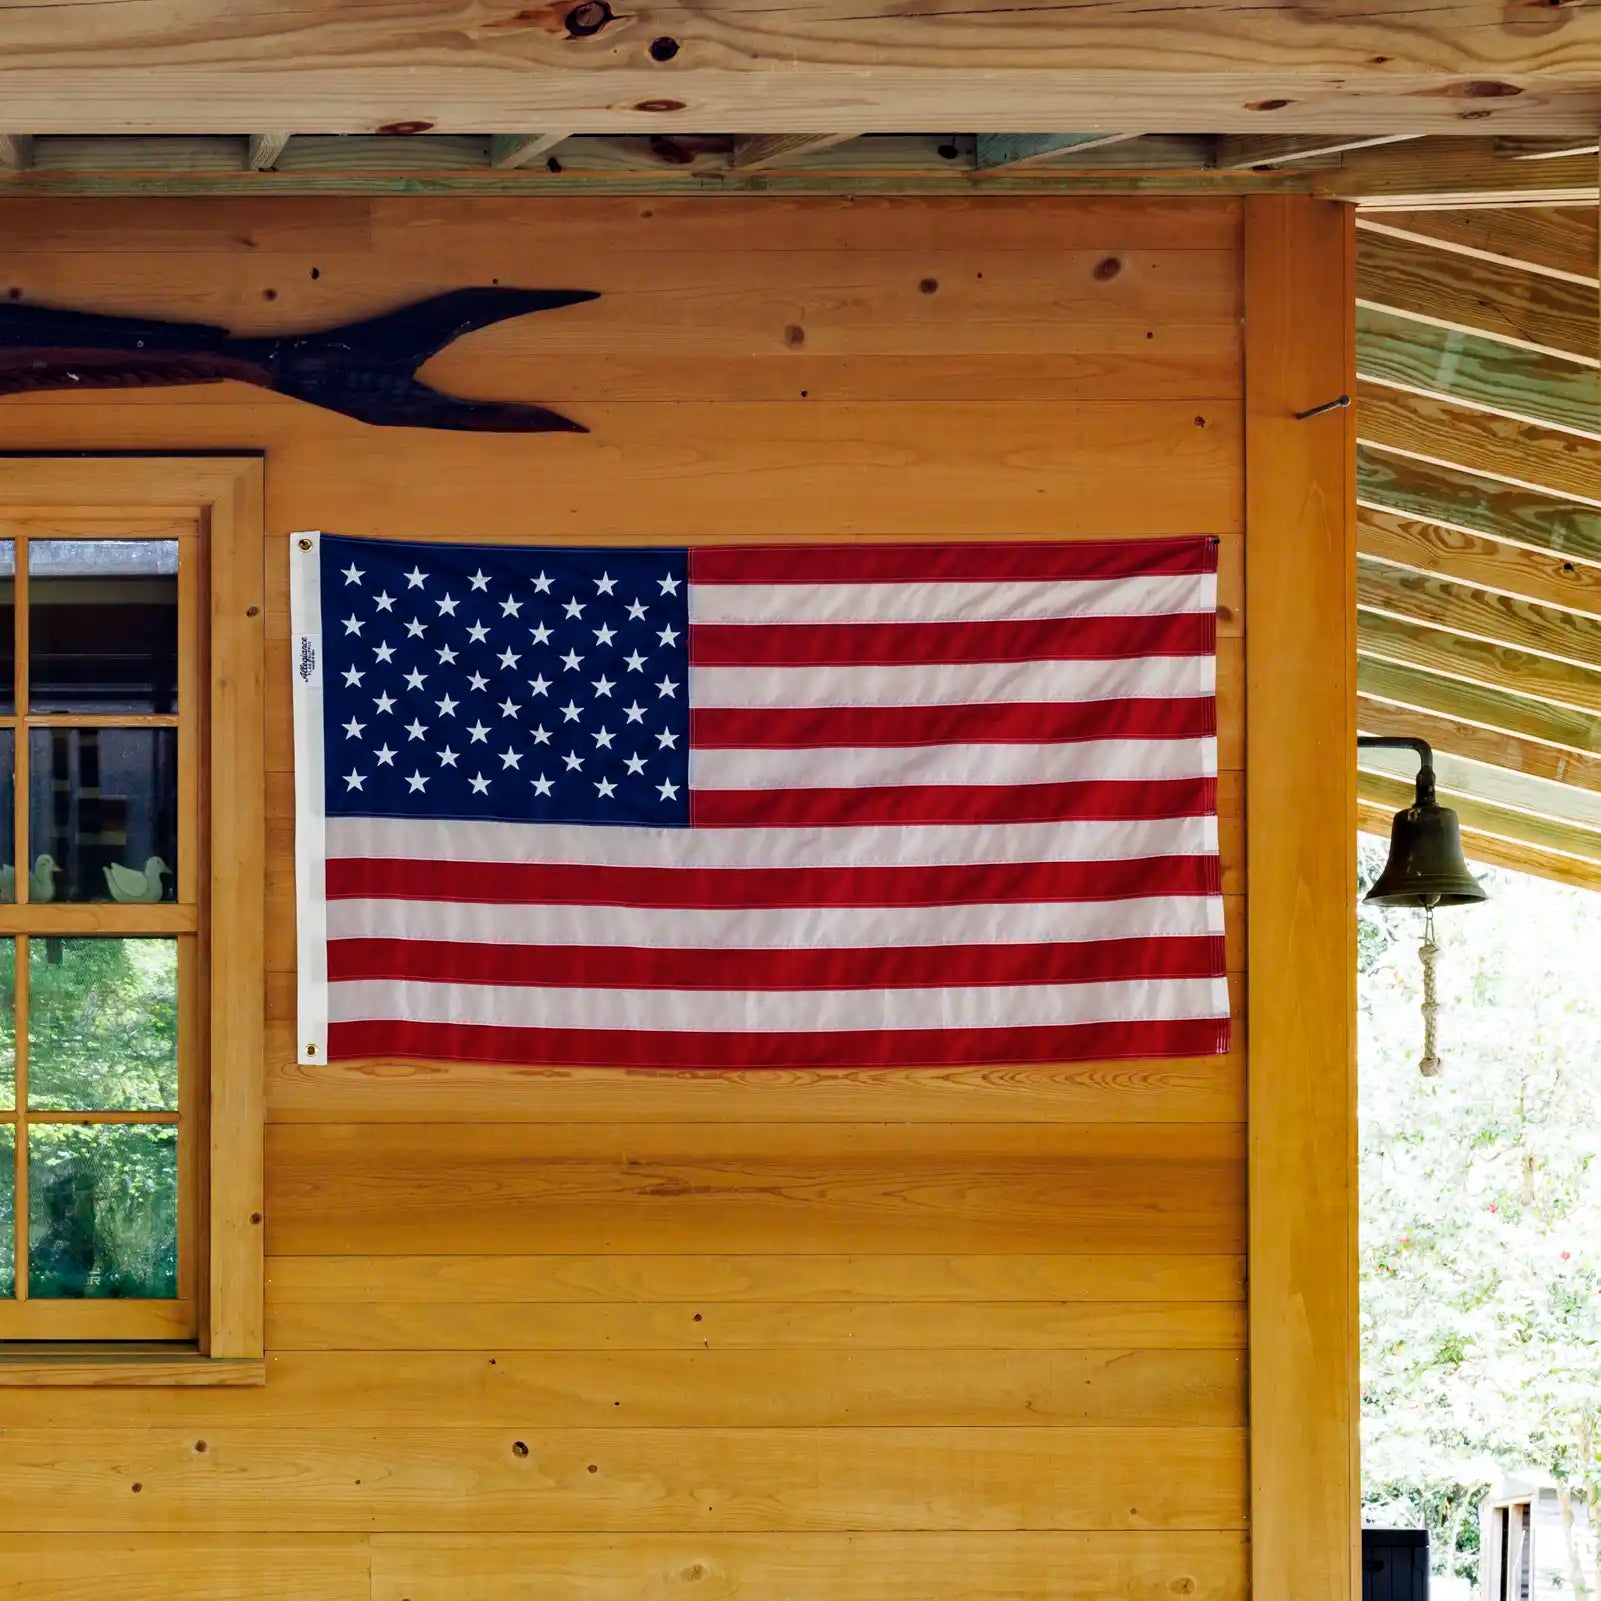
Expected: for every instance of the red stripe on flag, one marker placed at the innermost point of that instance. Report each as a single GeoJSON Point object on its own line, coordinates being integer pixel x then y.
{"type": "Point", "coordinates": [887, 564]}
{"type": "Point", "coordinates": [553, 884]}
{"type": "Point", "coordinates": [547, 1047]}
{"type": "Point", "coordinates": [876, 967]}
{"type": "Point", "coordinates": [895, 644]}
{"type": "Point", "coordinates": [1101, 800]}
{"type": "Point", "coordinates": [1028, 722]}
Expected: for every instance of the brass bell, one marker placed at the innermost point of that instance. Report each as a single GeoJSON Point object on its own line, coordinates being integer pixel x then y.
{"type": "Point", "coordinates": [1426, 866]}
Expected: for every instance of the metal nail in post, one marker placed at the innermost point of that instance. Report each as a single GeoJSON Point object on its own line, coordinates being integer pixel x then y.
{"type": "Point", "coordinates": [1339, 403]}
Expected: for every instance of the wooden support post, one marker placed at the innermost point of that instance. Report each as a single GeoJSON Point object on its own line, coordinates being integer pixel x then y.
{"type": "Point", "coordinates": [1301, 935]}
{"type": "Point", "coordinates": [16, 152]}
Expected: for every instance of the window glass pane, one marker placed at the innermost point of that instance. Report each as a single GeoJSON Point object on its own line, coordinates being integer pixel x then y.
{"type": "Point", "coordinates": [103, 625]}
{"type": "Point", "coordinates": [8, 1224]}
{"type": "Point", "coordinates": [8, 628]}
{"type": "Point", "coordinates": [102, 1211]}
{"type": "Point", "coordinates": [102, 1024]}
{"type": "Point", "coordinates": [103, 813]}
{"type": "Point", "coordinates": [8, 1025]}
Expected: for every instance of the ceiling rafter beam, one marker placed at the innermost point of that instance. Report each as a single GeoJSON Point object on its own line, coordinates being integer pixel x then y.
{"type": "Point", "coordinates": [1545, 149]}
{"type": "Point", "coordinates": [1406, 643]}
{"type": "Point", "coordinates": [1507, 802]}
{"type": "Point", "coordinates": [1281, 150]}
{"type": "Point", "coordinates": [998, 151]}
{"type": "Point", "coordinates": [1428, 359]}
{"type": "Point", "coordinates": [1521, 308]}
{"type": "Point", "coordinates": [508, 151]}
{"type": "Point", "coordinates": [1207, 66]}
{"type": "Point", "coordinates": [1462, 500]}
{"type": "Point", "coordinates": [264, 150]}
{"type": "Point", "coordinates": [1561, 466]}
{"type": "Point", "coordinates": [1559, 727]}
{"type": "Point", "coordinates": [1473, 559]}
{"type": "Point", "coordinates": [754, 152]}
{"type": "Point", "coordinates": [1459, 608]}
{"type": "Point", "coordinates": [905, 164]}
{"type": "Point", "coordinates": [1527, 758]}
{"type": "Point", "coordinates": [1425, 173]}
{"type": "Point", "coordinates": [1562, 243]}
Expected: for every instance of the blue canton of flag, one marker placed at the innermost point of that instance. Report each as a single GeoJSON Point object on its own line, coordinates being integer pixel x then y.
{"type": "Point", "coordinates": [507, 684]}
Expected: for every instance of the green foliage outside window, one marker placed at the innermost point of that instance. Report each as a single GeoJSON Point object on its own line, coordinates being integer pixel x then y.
{"type": "Point", "coordinates": [102, 1199]}
{"type": "Point", "coordinates": [102, 1212]}
{"type": "Point", "coordinates": [1481, 1214]}
{"type": "Point", "coordinates": [103, 1025]}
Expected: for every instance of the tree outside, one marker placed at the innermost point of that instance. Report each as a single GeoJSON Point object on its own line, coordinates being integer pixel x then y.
{"type": "Point", "coordinates": [103, 1199]}
{"type": "Point", "coordinates": [1481, 1213]}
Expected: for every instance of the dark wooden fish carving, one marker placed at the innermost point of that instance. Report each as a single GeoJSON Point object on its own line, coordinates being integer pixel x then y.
{"type": "Point", "coordinates": [362, 369]}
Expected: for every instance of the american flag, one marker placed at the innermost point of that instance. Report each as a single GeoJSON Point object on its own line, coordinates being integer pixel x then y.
{"type": "Point", "coordinates": [757, 807]}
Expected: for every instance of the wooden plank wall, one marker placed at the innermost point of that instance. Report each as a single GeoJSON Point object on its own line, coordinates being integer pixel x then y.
{"type": "Point", "coordinates": [937, 1336]}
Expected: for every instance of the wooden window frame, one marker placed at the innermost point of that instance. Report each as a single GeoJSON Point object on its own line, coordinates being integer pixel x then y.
{"type": "Point", "coordinates": [224, 495]}
{"type": "Point", "coordinates": [27, 1317]}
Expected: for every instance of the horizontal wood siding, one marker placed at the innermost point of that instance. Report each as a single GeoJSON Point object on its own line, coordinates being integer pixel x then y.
{"type": "Point", "coordinates": [962, 1334]}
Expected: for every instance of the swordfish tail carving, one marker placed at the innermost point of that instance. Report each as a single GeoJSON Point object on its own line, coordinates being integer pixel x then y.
{"type": "Point", "coordinates": [364, 370]}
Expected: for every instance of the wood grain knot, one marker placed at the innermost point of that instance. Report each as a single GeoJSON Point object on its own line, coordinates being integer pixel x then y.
{"type": "Point", "coordinates": [588, 18]}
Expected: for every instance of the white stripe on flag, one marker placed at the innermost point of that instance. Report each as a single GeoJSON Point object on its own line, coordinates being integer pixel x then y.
{"type": "Point", "coordinates": [305, 636]}
{"type": "Point", "coordinates": [964, 602]}
{"type": "Point", "coordinates": [776, 928]}
{"type": "Point", "coordinates": [955, 683]}
{"type": "Point", "coordinates": [881, 845]}
{"type": "Point", "coordinates": [780, 1011]}
{"type": "Point", "coordinates": [967, 763]}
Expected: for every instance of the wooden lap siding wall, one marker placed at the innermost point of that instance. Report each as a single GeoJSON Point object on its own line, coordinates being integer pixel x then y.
{"type": "Point", "coordinates": [889, 1336]}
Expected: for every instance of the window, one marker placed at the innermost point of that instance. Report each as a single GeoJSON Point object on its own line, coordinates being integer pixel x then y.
{"type": "Point", "coordinates": [131, 798]}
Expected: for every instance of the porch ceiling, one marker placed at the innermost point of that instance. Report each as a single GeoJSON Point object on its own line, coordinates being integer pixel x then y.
{"type": "Point", "coordinates": [1479, 530]}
